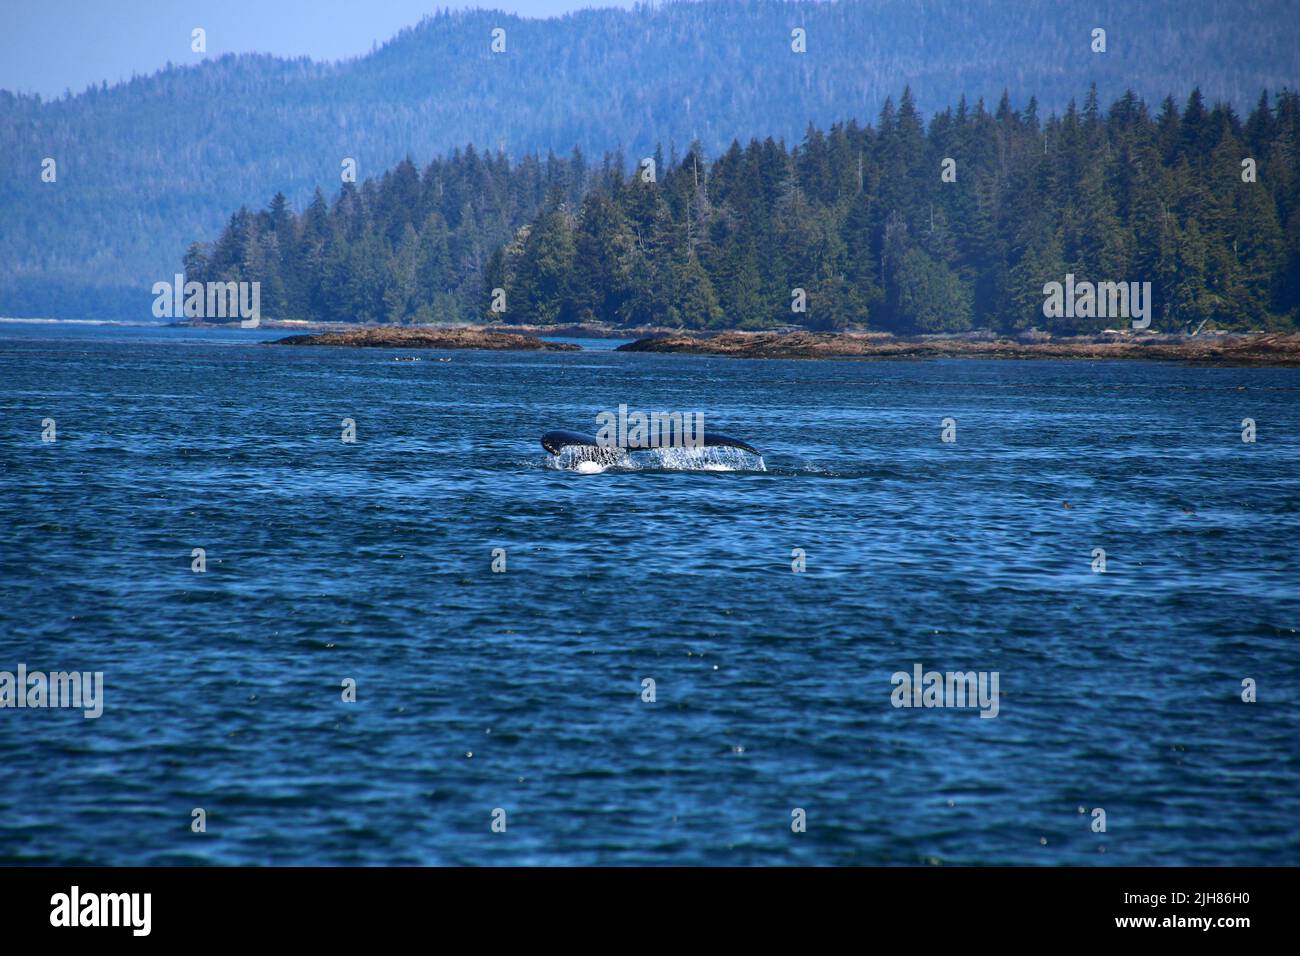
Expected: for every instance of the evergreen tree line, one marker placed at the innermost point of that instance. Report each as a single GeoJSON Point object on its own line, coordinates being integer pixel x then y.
{"type": "Point", "coordinates": [854, 227]}
{"type": "Point", "coordinates": [404, 247]}
{"type": "Point", "coordinates": [860, 227]}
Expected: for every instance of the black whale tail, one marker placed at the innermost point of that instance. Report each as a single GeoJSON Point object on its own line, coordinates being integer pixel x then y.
{"type": "Point", "coordinates": [554, 441]}
{"type": "Point", "coordinates": [713, 439]}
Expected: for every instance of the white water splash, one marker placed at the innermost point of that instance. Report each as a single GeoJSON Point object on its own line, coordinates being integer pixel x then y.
{"type": "Point", "coordinates": [712, 458]}
{"type": "Point", "coordinates": [589, 461]}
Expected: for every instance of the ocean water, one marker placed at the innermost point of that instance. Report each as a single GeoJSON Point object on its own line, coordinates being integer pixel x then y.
{"type": "Point", "coordinates": [522, 691]}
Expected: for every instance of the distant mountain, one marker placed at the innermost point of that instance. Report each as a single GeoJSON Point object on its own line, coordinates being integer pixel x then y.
{"type": "Point", "coordinates": [146, 166]}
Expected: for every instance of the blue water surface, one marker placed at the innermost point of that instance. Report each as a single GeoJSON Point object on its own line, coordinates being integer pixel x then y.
{"type": "Point", "coordinates": [523, 690]}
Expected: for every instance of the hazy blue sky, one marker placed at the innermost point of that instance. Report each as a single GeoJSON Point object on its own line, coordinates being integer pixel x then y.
{"type": "Point", "coordinates": [47, 46]}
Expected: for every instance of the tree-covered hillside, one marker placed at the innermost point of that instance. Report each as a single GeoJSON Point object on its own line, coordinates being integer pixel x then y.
{"type": "Point", "coordinates": [403, 247]}
{"type": "Point", "coordinates": [145, 166]}
{"type": "Point", "coordinates": [857, 224]}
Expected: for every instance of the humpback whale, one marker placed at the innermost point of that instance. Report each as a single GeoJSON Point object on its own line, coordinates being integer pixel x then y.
{"type": "Point", "coordinates": [554, 441]}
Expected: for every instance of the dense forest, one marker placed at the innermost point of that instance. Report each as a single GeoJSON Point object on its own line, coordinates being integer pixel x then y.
{"type": "Point", "coordinates": [147, 165]}
{"type": "Point", "coordinates": [863, 226]}
{"type": "Point", "coordinates": [403, 247]}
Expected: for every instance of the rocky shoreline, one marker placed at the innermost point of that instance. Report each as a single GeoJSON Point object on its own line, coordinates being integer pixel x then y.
{"type": "Point", "coordinates": [405, 337]}
{"type": "Point", "coordinates": [589, 330]}
{"type": "Point", "coordinates": [1213, 349]}
{"type": "Point", "coordinates": [1252, 349]}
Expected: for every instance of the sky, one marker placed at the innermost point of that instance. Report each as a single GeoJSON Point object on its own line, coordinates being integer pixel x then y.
{"type": "Point", "coordinates": [49, 46]}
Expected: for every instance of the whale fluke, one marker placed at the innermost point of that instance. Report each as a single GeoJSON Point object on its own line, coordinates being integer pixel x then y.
{"type": "Point", "coordinates": [555, 440]}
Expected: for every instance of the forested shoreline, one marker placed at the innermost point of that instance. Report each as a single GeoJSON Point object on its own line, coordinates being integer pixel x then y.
{"type": "Point", "coordinates": [862, 226]}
